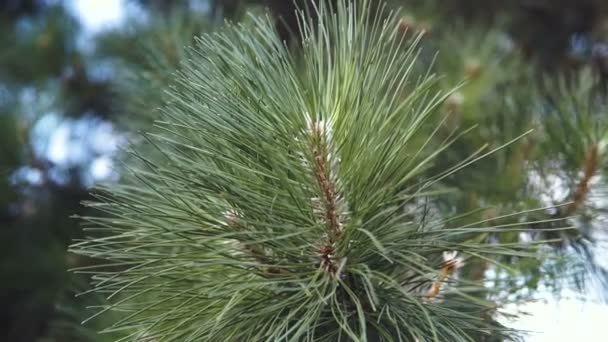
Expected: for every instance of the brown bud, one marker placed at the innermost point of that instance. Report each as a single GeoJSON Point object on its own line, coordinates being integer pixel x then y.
{"type": "Point", "coordinates": [472, 69]}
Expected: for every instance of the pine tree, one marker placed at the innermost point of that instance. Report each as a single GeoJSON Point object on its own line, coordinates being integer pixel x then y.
{"type": "Point", "coordinates": [300, 196]}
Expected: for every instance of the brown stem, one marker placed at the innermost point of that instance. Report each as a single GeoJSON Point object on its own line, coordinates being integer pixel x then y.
{"type": "Point", "coordinates": [322, 172]}
{"type": "Point", "coordinates": [256, 252]}
{"type": "Point", "coordinates": [590, 168]}
{"type": "Point", "coordinates": [446, 271]}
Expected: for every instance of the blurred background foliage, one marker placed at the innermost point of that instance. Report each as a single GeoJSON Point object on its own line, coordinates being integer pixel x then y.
{"type": "Point", "coordinates": [70, 99]}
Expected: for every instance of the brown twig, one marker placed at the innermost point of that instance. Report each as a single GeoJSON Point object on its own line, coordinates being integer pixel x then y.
{"type": "Point", "coordinates": [256, 252]}
{"type": "Point", "coordinates": [317, 140]}
{"type": "Point", "coordinates": [583, 187]}
{"type": "Point", "coordinates": [451, 264]}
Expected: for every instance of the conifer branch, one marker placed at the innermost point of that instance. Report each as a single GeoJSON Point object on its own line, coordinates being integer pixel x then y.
{"type": "Point", "coordinates": [310, 161]}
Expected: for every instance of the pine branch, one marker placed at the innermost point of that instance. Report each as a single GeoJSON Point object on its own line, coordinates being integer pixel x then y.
{"type": "Point", "coordinates": [275, 199]}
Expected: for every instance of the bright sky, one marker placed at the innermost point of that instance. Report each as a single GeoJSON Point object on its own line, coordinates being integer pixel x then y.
{"type": "Point", "coordinates": [563, 321]}
{"type": "Point", "coordinates": [96, 15]}
{"type": "Point", "coordinates": [568, 320]}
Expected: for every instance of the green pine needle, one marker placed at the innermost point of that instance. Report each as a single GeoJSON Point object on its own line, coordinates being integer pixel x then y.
{"type": "Point", "coordinates": [277, 197]}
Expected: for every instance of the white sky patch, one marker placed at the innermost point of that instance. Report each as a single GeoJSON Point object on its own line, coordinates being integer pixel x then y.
{"type": "Point", "coordinates": [565, 320]}
{"type": "Point", "coordinates": [102, 168]}
{"type": "Point", "coordinates": [57, 150]}
{"type": "Point", "coordinates": [96, 15]}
